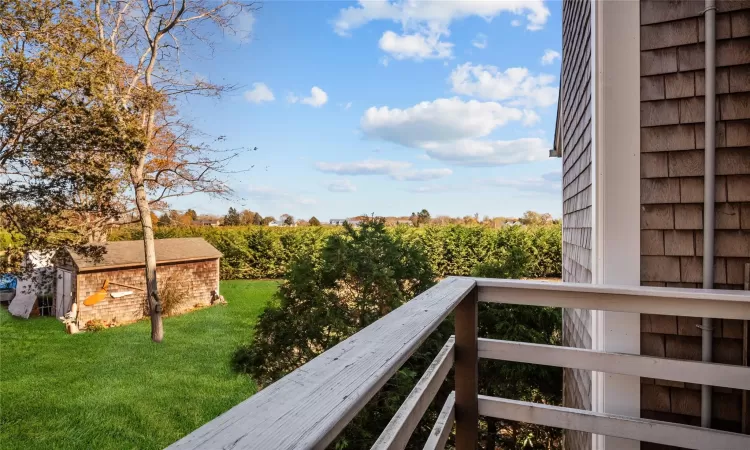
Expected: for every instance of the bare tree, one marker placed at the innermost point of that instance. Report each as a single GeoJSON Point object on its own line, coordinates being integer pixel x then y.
{"type": "Point", "coordinates": [152, 36]}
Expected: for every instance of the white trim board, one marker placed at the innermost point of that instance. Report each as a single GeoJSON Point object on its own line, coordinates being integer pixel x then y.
{"type": "Point", "coordinates": [615, 84]}
{"type": "Point", "coordinates": [698, 372]}
{"type": "Point", "coordinates": [659, 432]}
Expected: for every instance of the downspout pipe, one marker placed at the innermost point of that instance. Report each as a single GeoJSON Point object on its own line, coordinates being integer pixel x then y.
{"type": "Point", "coordinates": [709, 198]}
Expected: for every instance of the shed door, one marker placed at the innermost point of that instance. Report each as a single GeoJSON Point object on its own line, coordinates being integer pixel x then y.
{"type": "Point", "coordinates": [63, 293]}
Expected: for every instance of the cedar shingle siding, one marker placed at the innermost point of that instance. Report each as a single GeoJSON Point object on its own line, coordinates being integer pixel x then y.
{"type": "Point", "coordinates": [194, 280]}
{"type": "Point", "coordinates": [575, 126]}
{"type": "Point", "coordinates": [188, 267]}
{"type": "Point", "coordinates": [672, 158]}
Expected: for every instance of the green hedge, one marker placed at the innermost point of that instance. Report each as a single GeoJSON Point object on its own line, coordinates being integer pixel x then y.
{"type": "Point", "coordinates": [253, 252]}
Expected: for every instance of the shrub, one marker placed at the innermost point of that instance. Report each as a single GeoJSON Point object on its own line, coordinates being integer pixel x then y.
{"type": "Point", "coordinates": [95, 325]}
{"type": "Point", "coordinates": [359, 275]}
{"type": "Point", "coordinates": [172, 295]}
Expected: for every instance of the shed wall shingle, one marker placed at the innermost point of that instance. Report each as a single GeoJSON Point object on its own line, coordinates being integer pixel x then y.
{"type": "Point", "coordinates": [195, 280]}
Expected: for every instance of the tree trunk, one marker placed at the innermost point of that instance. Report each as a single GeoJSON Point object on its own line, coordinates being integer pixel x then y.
{"type": "Point", "coordinates": [489, 443]}
{"type": "Point", "coordinates": [144, 209]}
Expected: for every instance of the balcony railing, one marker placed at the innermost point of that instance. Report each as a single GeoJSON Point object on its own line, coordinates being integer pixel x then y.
{"type": "Point", "coordinates": [309, 407]}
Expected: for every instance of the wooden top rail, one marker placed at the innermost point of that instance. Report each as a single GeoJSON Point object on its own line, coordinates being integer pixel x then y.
{"type": "Point", "coordinates": [309, 407]}
{"type": "Point", "coordinates": [720, 304]}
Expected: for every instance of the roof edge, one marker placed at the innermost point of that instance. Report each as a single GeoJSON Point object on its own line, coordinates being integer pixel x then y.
{"type": "Point", "coordinates": [139, 265]}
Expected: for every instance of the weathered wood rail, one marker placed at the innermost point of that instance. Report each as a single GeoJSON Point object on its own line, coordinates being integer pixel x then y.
{"type": "Point", "coordinates": [309, 407]}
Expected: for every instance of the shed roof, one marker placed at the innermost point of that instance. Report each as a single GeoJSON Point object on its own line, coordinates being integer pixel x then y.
{"type": "Point", "coordinates": [131, 254]}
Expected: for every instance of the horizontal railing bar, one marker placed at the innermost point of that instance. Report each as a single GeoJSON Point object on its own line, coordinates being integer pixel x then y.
{"type": "Point", "coordinates": [443, 425]}
{"type": "Point", "coordinates": [665, 433]}
{"type": "Point", "coordinates": [724, 375]}
{"type": "Point", "coordinates": [397, 433]}
{"type": "Point", "coordinates": [309, 407]}
{"type": "Point", "coordinates": [722, 304]}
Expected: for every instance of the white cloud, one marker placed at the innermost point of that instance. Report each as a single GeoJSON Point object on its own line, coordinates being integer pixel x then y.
{"type": "Point", "coordinates": [384, 61]}
{"type": "Point", "coordinates": [417, 46]}
{"type": "Point", "coordinates": [397, 170]}
{"type": "Point", "coordinates": [547, 183]}
{"type": "Point", "coordinates": [446, 119]}
{"type": "Point", "coordinates": [422, 175]}
{"type": "Point", "coordinates": [514, 85]}
{"type": "Point", "coordinates": [259, 93]}
{"type": "Point", "coordinates": [415, 14]}
{"type": "Point", "coordinates": [434, 189]}
{"type": "Point", "coordinates": [549, 57]}
{"type": "Point", "coordinates": [366, 167]}
{"type": "Point", "coordinates": [346, 106]}
{"type": "Point", "coordinates": [480, 41]}
{"type": "Point", "coordinates": [451, 130]}
{"type": "Point", "coordinates": [472, 152]}
{"type": "Point", "coordinates": [530, 117]}
{"type": "Point", "coordinates": [277, 197]}
{"type": "Point", "coordinates": [515, 23]}
{"type": "Point", "coordinates": [341, 186]}
{"type": "Point", "coordinates": [317, 98]}
{"type": "Point", "coordinates": [242, 25]}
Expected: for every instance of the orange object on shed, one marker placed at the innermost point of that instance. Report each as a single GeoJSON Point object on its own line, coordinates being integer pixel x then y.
{"type": "Point", "coordinates": [97, 296]}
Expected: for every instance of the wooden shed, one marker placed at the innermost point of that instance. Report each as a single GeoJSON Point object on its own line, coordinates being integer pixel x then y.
{"type": "Point", "coordinates": [188, 265]}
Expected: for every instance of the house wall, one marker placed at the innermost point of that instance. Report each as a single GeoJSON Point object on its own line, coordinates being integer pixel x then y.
{"type": "Point", "coordinates": [575, 129]}
{"type": "Point", "coordinates": [195, 279]}
{"type": "Point", "coordinates": [672, 169]}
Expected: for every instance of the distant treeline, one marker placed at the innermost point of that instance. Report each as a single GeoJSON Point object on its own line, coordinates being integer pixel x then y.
{"type": "Point", "coordinates": [235, 217]}
{"type": "Point", "coordinates": [253, 252]}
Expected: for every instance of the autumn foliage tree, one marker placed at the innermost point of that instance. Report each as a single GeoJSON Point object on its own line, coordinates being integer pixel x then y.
{"type": "Point", "coordinates": [267, 220]}
{"type": "Point", "coordinates": [89, 127]}
{"type": "Point", "coordinates": [62, 137]}
{"type": "Point", "coordinates": [247, 217]}
{"type": "Point", "coordinates": [175, 158]}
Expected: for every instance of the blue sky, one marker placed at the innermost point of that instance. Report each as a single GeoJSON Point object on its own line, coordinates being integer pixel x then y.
{"type": "Point", "coordinates": [388, 108]}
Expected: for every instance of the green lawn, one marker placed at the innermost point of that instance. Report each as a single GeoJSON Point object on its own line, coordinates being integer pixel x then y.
{"type": "Point", "coordinates": [114, 388]}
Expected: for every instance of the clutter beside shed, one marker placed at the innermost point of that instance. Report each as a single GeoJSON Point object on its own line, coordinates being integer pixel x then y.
{"type": "Point", "coordinates": [111, 288]}
{"type": "Point", "coordinates": [32, 293]}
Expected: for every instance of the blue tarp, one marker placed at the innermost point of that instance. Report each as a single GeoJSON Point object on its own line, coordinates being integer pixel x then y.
{"type": "Point", "coordinates": [8, 281]}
